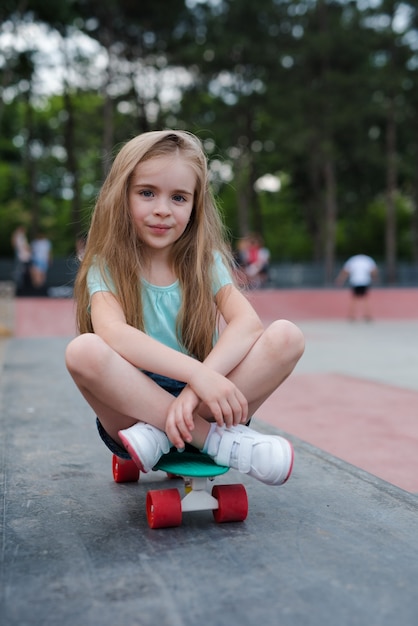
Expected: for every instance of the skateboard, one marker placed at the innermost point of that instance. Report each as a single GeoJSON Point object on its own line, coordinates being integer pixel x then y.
{"type": "Point", "coordinates": [165, 507]}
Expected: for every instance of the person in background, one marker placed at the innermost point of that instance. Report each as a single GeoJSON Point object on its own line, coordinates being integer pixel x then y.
{"type": "Point", "coordinates": [360, 270]}
{"type": "Point", "coordinates": [257, 261]}
{"type": "Point", "coordinates": [23, 257]}
{"type": "Point", "coordinates": [41, 258]}
{"type": "Point", "coordinates": [241, 261]}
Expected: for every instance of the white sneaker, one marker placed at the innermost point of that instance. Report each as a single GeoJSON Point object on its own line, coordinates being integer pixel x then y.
{"type": "Point", "coordinates": [146, 444]}
{"type": "Point", "coordinates": [265, 457]}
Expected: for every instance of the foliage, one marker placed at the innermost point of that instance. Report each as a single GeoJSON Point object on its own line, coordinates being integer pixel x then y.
{"type": "Point", "coordinates": [322, 92]}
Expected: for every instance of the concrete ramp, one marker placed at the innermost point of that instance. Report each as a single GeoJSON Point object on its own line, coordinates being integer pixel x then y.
{"type": "Point", "coordinates": [335, 545]}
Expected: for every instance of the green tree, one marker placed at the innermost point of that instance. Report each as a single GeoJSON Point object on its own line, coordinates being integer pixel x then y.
{"type": "Point", "coordinates": [321, 93]}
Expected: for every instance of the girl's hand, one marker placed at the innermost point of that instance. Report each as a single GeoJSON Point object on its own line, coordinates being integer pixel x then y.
{"type": "Point", "coordinates": [179, 423]}
{"type": "Point", "coordinates": [214, 397]}
{"type": "Point", "coordinates": [223, 401]}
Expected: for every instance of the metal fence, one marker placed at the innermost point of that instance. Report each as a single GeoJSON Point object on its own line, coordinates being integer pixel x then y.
{"type": "Point", "coordinates": [62, 273]}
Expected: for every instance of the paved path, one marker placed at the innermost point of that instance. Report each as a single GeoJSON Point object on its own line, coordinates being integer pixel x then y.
{"type": "Point", "coordinates": [335, 545]}
{"type": "Point", "coordinates": [354, 393]}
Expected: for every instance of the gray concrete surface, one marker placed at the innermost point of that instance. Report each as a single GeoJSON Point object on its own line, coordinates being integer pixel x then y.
{"type": "Point", "coordinates": [3, 345]}
{"type": "Point", "coordinates": [381, 351]}
{"type": "Point", "coordinates": [333, 546]}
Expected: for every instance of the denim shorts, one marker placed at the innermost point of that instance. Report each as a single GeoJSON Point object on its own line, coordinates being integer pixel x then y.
{"type": "Point", "coordinates": [169, 384]}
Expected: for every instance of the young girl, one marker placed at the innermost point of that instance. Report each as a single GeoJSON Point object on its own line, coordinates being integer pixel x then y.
{"type": "Point", "coordinates": [151, 359]}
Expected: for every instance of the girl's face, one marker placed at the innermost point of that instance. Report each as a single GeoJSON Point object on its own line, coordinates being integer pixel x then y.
{"type": "Point", "coordinates": [161, 196]}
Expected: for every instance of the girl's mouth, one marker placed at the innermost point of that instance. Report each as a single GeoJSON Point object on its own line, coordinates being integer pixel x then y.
{"type": "Point", "coordinates": [159, 229]}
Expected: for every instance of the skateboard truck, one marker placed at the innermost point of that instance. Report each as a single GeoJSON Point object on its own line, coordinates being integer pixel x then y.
{"type": "Point", "coordinates": [197, 497]}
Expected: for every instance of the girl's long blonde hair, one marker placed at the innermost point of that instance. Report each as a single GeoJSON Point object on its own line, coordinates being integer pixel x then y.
{"type": "Point", "coordinates": [114, 246]}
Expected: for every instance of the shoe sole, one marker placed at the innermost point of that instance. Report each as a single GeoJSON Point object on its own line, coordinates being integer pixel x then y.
{"type": "Point", "coordinates": [292, 453]}
{"type": "Point", "coordinates": [132, 452]}
{"type": "Point", "coordinates": [292, 457]}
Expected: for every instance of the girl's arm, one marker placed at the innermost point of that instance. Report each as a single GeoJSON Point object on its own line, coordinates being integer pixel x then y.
{"type": "Point", "coordinates": [135, 346]}
{"type": "Point", "coordinates": [222, 398]}
{"type": "Point", "coordinates": [243, 328]}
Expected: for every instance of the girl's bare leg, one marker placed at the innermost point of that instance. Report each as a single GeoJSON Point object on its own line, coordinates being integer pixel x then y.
{"type": "Point", "coordinates": [121, 395]}
{"type": "Point", "coordinates": [117, 391]}
{"type": "Point", "coordinates": [269, 362]}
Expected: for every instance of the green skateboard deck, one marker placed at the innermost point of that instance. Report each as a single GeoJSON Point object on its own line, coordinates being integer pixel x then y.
{"type": "Point", "coordinates": [190, 464]}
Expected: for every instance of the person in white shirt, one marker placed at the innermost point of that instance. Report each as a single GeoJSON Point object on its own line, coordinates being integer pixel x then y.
{"type": "Point", "coordinates": [360, 270]}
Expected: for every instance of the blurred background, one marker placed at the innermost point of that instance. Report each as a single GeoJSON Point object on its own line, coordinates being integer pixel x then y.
{"type": "Point", "coordinates": [308, 111]}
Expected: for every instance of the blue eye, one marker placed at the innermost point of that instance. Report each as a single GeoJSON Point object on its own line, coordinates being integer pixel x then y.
{"type": "Point", "coordinates": [179, 198]}
{"type": "Point", "coordinates": [147, 193]}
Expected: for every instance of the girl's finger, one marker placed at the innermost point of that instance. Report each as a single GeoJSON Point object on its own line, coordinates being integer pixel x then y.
{"type": "Point", "coordinates": [183, 428]}
{"type": "Point", "coordinates": [175, 438]}
{"type": "Point", "coordinates": [228, 415]}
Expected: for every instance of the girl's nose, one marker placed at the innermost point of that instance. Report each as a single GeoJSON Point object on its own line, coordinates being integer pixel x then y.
{"type": "Point", "coordinates": [162, 207]}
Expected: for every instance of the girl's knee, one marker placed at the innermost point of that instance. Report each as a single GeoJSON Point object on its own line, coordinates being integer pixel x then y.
{"type": "Point", "coordinates": [82, 350]}
{"type": "Point", "coordinates": [285, 336]}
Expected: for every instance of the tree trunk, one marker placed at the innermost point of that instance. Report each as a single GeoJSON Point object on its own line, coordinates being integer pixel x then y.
{"type": "Point", "coordinates": [391, 176]}
{"type": "Point", "coordinates": [107, 138]}
{"type": "Point", "coordinates": [313, 203]}
{"type": "Point", "coordinates": [243, 208]}
{"type": "Point", "coordinates": [414, 222]}
{"type": "Point", "coordinates": [108, 123]}
{"type": "Point", "coordinates": [30, 166]}
{"type": "Point", "coordinates": [69, 139]}
{"type": "Point", "coordinates": [254, 198]}
{"type": "Point", "coordinates": [330, 218]}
